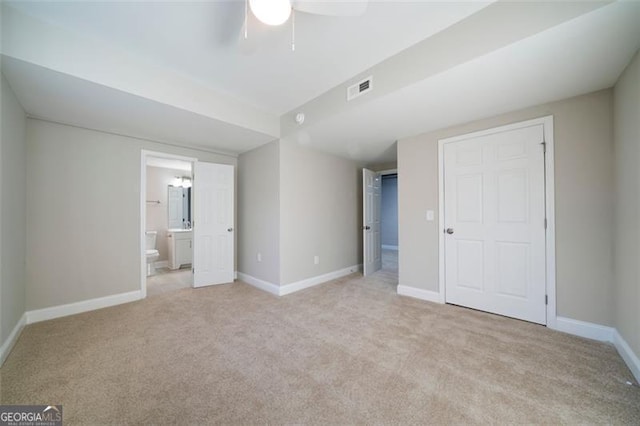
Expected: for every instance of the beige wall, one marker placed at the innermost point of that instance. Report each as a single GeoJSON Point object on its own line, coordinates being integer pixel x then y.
{"type": "Point", "coordinates": [383, 167]}
{"type": "Point", "coordinates": [12, 211]}
{"type": "Point", "coordinates": [83, 212]}
{"type": "Point", "coordinates": [584, 213]}
{"type": "Point", "coordinates": [297, 203]}
{"type": "Point", "coordinates": [158, 181]}
{"type": "Point", "coordinates": [259, 212]}
{"type": "Point", "coordinates": [319, 212]}
{"type": "Point", "coordinates": [626, 109]}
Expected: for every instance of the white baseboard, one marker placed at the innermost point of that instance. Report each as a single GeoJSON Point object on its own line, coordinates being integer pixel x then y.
{"type": "Point", "coordinates": [7, 345]}
{"type": "Point", "coordinates": [83, 306]}
{"type": "Point", "coordinates": [388, 247]}
{"type": "Point", "coordinates": [585, 329]}
{"type": "Point", "coordinates": [310, 282]}
{"type": "Point", "coordinates": [627, 354]}
{"type": "Point", "coordinates": [603, 334]}
{"type": "Point", "coordinates": [161, 264]}
{"type": "Point", "coordinates": [418, 293]}
{"type": "Point", "coordinates": [260, 284]}
{"type": "Point", "coordinates": [298, 285]}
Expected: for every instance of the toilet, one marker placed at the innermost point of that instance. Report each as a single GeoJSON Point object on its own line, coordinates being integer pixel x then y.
{"type": "Point", "coordinates": [151, 252]}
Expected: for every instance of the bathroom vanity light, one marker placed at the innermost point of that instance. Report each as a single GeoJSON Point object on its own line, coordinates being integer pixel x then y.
{"type": "Point", "coordinates": [184, 182]}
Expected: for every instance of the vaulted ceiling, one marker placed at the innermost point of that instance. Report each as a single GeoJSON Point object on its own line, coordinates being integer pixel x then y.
{"type": "Point", "coordinates": [182, 72]}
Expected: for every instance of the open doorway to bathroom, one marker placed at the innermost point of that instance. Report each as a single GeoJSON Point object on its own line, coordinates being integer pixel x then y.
{"type": "Point", "coordinates": [167, 223]}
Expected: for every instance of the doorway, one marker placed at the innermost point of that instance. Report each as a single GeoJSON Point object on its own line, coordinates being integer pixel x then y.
{"type": "Point", "coordinates": [380, 225]}
{"type": "Point", "coordinates": [193, 224]}
{"type": "Point", "coordinates": [496, 217]}
{"type": "Point", "coordinates": [168, 241]}
{"type": "Point", "coordinates": [389, 221]}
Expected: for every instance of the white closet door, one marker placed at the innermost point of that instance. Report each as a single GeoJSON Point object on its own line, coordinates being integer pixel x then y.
{"type": "Point", "coordinates": [495, 223]}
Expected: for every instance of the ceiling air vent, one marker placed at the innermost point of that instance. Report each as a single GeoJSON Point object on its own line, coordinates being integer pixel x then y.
{"type": "Point", "coordinates": [360, 88]}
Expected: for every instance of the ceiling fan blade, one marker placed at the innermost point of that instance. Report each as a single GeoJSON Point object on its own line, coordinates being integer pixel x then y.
{"type": "Point", "coordinates": [228, 17]}
{"type": "Point", "coordinates": [331, 7]}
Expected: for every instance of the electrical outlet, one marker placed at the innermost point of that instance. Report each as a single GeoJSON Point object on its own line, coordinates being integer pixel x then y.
{"type": "Point", "coordinates": [316, 260]}
{"type": "Point", "coordinates": [259, 257]}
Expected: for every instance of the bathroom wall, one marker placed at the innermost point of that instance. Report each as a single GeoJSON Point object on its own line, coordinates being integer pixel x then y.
{"type": "Point", "coordinates": [158, 180]}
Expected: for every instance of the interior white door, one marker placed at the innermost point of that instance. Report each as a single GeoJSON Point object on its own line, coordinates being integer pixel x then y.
{"type": "Point", "coordinates": [175, 206]}
{"type": "Point", "coordinates": [494, 211]}
{"type": "Point", "coordinates": [213, 231]}
{"type": "Point", "coordinates": [372, 244]}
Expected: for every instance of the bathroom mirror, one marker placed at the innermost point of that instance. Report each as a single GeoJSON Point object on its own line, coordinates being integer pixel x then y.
{"type": "Point", "coordinates": [179, 205]}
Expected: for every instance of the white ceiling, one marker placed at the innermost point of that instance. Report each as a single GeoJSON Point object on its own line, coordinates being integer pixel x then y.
{"type": "Point", "coordinates": [175, 71]}
{"type": "Point", "coordinates": [584, 55]}
{"type": "Point", "coordinates": [169, 163]}
{"type": "Point", "coordinates": [202, 40]}
{"type": "Point", "coordinates": [62, 98]}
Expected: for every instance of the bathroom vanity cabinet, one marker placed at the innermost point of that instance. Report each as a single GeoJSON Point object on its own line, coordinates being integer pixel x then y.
{"type": "Point", "coordinates": [180, 242]}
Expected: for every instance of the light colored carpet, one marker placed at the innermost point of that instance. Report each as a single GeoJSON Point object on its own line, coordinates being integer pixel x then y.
{"type": "Point", "coordinates": [348, 351]}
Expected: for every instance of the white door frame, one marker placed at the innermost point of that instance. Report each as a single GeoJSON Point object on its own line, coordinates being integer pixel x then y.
{"type": "Point", "coordinates": [550, 234]}
{"type": "Point", "coordinates": [144, 155]}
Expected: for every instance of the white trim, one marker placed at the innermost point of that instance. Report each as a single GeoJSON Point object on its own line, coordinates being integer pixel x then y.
{"type": "Point", "coordinates": [388, 247]}
{"type": "Point", "coordinates": [8, 344]}
{"type": "Point", "coordinates": [144, 154]}
{"type": "Point", "coordinates": [627, 354]}
{"type": "Point", "coordinates": [550, 196]}
{"type": "Point", "coordinates": [259, 284]}
{"type": "Point", "coordinates": [310, 282]}
{"type": "Point", "coordinates": [235, 275]}
{"type": "Point", "coordinates": [283, 290]}
{"type": "Point", "coordinates": [161, 264]}
{"type": "Point", "coordinates": [441, 225]}
{"type": "Point", "coordinates": [83, 306]}
{"type": "Point", "coordinates": [550, 248]}
{"type": "Point", "coordinates": [388, 172]}
{"type": "Point", "coordinates": [418, 293]}
{"type": "Point", "coordinates": [585, 329]}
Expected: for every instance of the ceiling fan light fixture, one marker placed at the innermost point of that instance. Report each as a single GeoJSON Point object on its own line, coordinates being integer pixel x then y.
{"type": "Point", "coordinates": [271, 12]}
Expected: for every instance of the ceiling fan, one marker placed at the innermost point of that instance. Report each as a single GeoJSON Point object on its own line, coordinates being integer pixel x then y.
{"type": "Point", "coordinates": [277, 12]}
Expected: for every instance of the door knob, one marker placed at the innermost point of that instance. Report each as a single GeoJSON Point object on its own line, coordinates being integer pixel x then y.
{"type": "Point", "coordinates": [449, 231]}
{"type": "Point", "coordinates": [366, 227]}
{"type": "Point", "coordinates": [230, 229]}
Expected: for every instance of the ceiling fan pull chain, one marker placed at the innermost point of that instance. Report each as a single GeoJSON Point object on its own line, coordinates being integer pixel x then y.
{"type": "Point", "coordinates": [246, 15]}
{"type": "Point", "coordinates": [293, 30]}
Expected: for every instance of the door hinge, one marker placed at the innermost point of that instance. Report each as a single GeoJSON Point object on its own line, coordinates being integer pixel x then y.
{"type": "Point", "coordinates": [544, 146]}
{"type": "Point", "coordinates": [545, 223]}
{"type": "Point", "coordinates": [546, 299]}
